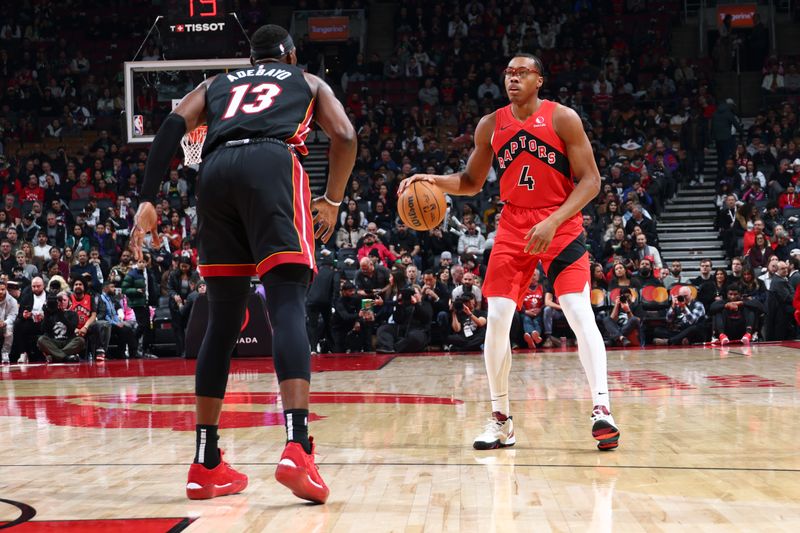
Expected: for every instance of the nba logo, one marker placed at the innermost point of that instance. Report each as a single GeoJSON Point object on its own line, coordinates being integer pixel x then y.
{"type": "Point", "coordinates": [138, 125]}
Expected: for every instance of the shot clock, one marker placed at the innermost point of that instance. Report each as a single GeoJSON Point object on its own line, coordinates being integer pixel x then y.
{"type": "Point", "coordinates": [198, 29]}
{"type": "Point", "coordinates": [195, 11]}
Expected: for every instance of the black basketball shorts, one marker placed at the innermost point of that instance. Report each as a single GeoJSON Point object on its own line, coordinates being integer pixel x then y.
{"type": "Point", "coordinates": [253, 211]}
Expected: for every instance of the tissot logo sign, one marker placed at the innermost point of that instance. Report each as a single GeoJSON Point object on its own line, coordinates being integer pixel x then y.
{"type": "Point", "coordinates": [197, 28]}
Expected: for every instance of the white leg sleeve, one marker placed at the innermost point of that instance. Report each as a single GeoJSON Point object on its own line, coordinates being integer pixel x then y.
{"type": "Point", "coordinates": [497, 350]}
{"type": "Point", "coordinates": [578, 310]}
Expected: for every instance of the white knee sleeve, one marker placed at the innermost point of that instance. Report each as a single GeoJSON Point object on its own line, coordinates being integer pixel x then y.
{"type": "Point", "coordinates": [497, 350]}
{"type": "Point", "coordinates": [578, 309]}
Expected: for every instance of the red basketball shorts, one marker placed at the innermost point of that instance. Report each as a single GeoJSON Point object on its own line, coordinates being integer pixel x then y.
{"type": "Point", "coordinates": [565, 262]}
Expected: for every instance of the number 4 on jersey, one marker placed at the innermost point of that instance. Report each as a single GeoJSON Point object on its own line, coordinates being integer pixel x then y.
{"type": "Point", "coordinates": [526, 180]}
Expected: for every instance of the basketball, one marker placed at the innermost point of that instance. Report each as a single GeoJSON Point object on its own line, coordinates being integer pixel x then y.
{"type": "Point", "coordinates": [422, 206]}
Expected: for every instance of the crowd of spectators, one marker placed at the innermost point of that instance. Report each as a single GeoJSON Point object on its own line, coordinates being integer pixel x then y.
{"type": "Point", "coordinates": [68, 207]}
{"type": "Point", "coordinates": [650, 119]}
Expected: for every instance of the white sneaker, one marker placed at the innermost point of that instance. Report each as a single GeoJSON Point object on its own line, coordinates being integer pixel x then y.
{"type": "Point", "coordinates": [496, 434]}
{"type": "Point", "coordinates": [604, 430]}
{"type": "Point", "coordinates": [23, 359]}
{"type": "Point", "coordinates": [4, 359]}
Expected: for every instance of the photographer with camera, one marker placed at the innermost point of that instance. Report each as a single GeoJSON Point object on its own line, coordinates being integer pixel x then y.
{"type": "Point", "coordinates": [60, 341]}
{"type": "Point", "coordinates": [409, 329]}
{"type": "Point", "coordinates": [468, 324]}
{"type": "Point", "coordinates": [623, 320]}
{"type": "Point", "coordinates": [684, 321]}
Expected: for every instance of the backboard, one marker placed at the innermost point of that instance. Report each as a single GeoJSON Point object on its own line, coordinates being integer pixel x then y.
{"type": "Point", "coordinates": [154, 88]}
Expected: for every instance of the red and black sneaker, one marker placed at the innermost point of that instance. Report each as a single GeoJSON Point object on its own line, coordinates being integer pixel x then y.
{"type": "Point", "coordinates": [529, 341]}
{"type": "Point", "coordinates": [204, 483]}
{"type": "Point", "coordinates": [297, 471]}
{"type": "Point", "coordinates": [604, 430]}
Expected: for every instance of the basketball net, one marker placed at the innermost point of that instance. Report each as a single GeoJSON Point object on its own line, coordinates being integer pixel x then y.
{"type": "Point", "coordinates": [192, 144]}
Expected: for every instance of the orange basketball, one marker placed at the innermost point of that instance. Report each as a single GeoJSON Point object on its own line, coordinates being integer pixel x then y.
{"type": "Point", "coordinates": [422, 206]}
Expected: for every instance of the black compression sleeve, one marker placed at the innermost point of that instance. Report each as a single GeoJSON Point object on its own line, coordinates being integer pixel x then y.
{"type": "Point", "coordinates": [164, 146]}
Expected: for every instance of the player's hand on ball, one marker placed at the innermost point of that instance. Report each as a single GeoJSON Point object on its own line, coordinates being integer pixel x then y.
{"type": "Point", "coordinates": [145, 221]}
{"type": "Point", "coordinates": [324, 218]}
{"type": "Point", "coordinates": [406, 183]}
{"type": "Point", "coordinates": [540, 236]}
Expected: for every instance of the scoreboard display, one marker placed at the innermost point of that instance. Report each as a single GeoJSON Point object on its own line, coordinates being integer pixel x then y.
{"type": "Point", "coordinates": [196, 11]}
{"type": "Point", "coordinates": [198, 29]}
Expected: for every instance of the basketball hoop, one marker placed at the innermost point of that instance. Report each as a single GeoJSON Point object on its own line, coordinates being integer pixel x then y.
{"type": "Point", "coordinates": [192, 144]}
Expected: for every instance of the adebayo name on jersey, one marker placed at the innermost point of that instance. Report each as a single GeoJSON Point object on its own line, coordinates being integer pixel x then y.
{"type": "Point", "coordinates": [260, 71]}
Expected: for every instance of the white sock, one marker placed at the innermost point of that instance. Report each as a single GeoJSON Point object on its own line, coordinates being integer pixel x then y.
{"type": "Point", "coordinates": [591, 350]}
{"type": "Point", "coordinates": [497, 350]}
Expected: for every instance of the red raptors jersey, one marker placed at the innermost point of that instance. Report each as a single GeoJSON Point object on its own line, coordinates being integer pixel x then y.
{"type": "Point", "coordinates": [532, 163]}
{"type": "Point", "coordinates": [82, 307]}
{"type": "Point", "coordinates": [534, 298]}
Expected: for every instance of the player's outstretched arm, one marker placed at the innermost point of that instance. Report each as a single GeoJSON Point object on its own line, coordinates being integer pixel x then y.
{"type": "Point", "coordinates": [331, 117]}
{"type": "Point", "coordinates": [190, 113]}
{"type": "Point", "coordinates": [569, 127]}
{"type": "Point", "coordinates": [471, 180]}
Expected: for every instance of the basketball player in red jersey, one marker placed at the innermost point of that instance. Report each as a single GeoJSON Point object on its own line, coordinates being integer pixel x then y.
{"type": "Point", "coordinates": [540, 149]}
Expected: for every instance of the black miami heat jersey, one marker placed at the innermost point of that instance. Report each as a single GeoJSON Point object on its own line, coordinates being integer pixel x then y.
{"type": "Point", "coordinates": [531, 159]}
{"type": "Point", "coordinates": [267, 100]}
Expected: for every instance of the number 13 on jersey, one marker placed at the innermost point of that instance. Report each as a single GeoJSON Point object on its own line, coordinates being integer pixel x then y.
{"type": "Point", "coordinates": [266, 93]}
{"type": "Point", "coordinates": [525, 179]}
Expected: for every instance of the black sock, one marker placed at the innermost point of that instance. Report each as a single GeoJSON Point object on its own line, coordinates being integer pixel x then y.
{"type": "Point", "coordinates": [297, 427]}
{"type": "Point", "coordinates": [206, 451]}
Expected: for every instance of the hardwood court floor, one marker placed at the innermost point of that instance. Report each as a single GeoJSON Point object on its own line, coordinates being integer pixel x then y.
{"type": "Point", "coordinates": [709, 443]}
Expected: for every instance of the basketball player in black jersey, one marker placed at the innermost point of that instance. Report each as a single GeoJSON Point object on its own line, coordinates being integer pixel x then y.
{"type": "Point", "coordinates": [255, 218]}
